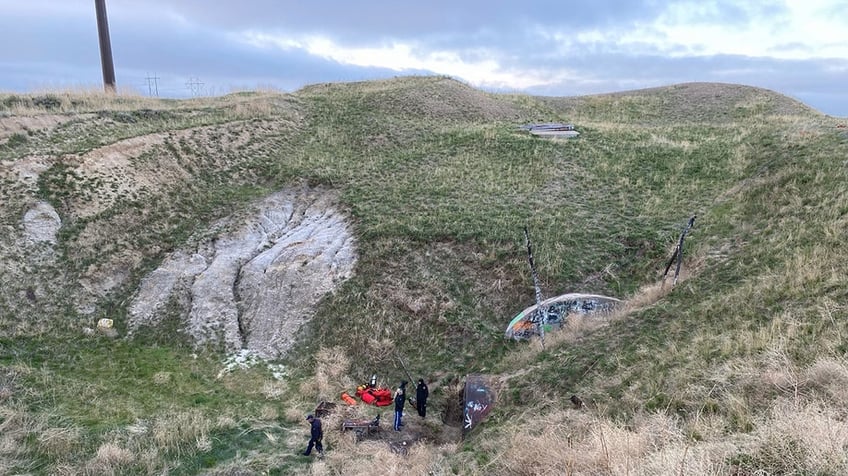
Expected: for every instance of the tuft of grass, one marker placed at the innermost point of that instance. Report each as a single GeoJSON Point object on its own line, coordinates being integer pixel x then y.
{"type": "Point", "coordinates": [59, 441]}
{"type": "Point", "coordinates": [110, 458]}
{"type": "Point", "coordinates": [174, 432]}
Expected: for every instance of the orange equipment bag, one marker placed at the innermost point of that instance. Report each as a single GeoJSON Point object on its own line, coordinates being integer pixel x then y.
{"type": "Point", "coordinates": [348, 399]}
{"type": "Point", "coordinates": [383, 393]}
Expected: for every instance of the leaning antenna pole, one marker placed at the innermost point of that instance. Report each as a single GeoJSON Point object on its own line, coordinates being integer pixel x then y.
{"type": "Point", "coordinates": [542, 314]}
{"type": "Point", "coordinates": [678, 253]}
{"type": "Point", "coordinates": [408, 375]}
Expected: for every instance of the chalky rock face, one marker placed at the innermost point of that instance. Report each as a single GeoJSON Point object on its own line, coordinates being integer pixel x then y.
{"type": "Point", "coordinates": [41, 223]}
{"type": "Point", "coordinates": [254, 281]}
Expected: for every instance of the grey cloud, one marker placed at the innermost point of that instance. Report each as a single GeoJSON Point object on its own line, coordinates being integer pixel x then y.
{"type": "Point", "coordinates": [57, 52]}
{"type": "Point", "coordinates": [377, 20]}
{"type": "Point", "coordinates": [59, 45]}
{"type": "Point", "coordinates": [216, 59]}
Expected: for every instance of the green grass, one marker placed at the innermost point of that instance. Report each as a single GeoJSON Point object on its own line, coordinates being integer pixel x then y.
{"type": "Point", "coordinates": [439, 183]}
{"type": "Point", "coordinates": [73, 375]}
{"type": "Point", "coordinates": [103, 386]}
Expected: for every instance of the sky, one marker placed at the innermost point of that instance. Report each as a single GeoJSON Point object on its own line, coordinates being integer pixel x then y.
{"type": "Point", "coordinates": [182, 48]}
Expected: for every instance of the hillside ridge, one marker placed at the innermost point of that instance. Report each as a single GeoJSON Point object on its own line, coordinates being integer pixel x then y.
{"type": "Point", "coordinates": [739, 368]}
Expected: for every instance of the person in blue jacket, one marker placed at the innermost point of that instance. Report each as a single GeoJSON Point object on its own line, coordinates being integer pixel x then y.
{"type": "Point", "coordinates": [316, 435]}
{"type": "Point", "coordinates": [400, 399]}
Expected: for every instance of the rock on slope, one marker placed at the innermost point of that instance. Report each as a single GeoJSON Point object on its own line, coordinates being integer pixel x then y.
{"type": "Point", "coordinates": [254, 281]}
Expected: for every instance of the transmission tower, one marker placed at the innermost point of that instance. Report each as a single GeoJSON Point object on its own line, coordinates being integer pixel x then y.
{"type": "Point", "coordinates": [194, 86]}
{"type": "Point", "coordinates": [152, 85]}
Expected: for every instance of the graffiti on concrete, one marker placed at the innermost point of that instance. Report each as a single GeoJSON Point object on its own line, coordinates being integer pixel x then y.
{"type": "Point", "coordinates": [477, 403]}
{"type": "Point", "coordinates": [558, 308]}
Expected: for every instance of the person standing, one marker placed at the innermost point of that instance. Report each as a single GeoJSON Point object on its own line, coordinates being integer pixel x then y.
{"type": "Point", "coordinates": [316, 435]}
{"type": "Point", "coordinates": [421, 394]}
{"type": "Point", "coordinates": [400, 399]}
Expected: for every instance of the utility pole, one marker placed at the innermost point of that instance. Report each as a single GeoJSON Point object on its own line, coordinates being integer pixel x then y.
{"type": "Point", "coordinates": [105, 47]}
{"type": "Point", "coordinates": [152, 85]}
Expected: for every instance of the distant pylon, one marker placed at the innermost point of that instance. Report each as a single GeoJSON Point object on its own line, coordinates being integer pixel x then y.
{"type": "Point", "coordinates": [194, 85]}
{"type": "Point", "coordinates": [152, 85]}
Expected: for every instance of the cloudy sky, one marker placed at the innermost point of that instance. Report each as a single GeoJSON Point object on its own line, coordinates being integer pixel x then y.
{"type": "Point", "coordinates": [544, 47]}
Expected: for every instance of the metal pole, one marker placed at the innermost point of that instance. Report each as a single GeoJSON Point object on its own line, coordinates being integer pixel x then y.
{"type": "Point", "coordinates": [678, 253]}
{"type": "Point", "coordinates": [541, 313]}
{"type": "Point", "coordinates": [680, 248]}
{"type": "Point", "coordinates": [105, 47]}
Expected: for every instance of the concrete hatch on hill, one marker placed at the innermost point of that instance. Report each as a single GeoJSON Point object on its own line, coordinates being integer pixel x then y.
{"type": "Point", "coordinates": [551, 129]}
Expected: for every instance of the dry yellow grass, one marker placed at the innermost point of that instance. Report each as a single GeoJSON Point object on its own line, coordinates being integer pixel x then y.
{"type": "Point", "coordinates": [296, 412]}
{"type": "Point", "coordinates": [87, 99]}
{"type": "Point", "coordinates": [331, 377]}
{"type": "Point", "coordinates": [178, 431]}
{"type": "Point", "coordinates": [803, 433]}
{"type": "Point", "coordinates": [273, 389]}
{"type": "Point", "coordinates": [15, 424]}
{"type": "Point", "coordinates": [161, 378]}
{"type": "Point", "coordinates": [376, 457]}
{"type": "Point", "coordinates": [809, 437]}
{"type": "Point", "coordinates": [110, 457]}
{"type": "Point", "coordinates": [59, 441]}
{"type": "Point", "coordinates": [830, 375]}
{"type": "Point", "coordinates": [269, 412]}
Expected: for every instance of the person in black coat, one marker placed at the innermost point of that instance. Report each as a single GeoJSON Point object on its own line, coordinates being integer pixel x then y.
{"type": "Point", "coordinates": [400, 399]}
{"type": "Point", "coordinates": [421, 394]}
{"type": "Point", "coordinates": [316, 435]}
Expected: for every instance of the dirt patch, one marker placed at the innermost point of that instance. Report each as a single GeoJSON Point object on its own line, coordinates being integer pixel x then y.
{"type": "Point", "coordinates": [26, 124]}
{"type": "Point", "coordinates": [415, 431]}
{"type": "Point", "coordinates": [25, 170]}
{"type": "Point", "coordinates": [135, 167]}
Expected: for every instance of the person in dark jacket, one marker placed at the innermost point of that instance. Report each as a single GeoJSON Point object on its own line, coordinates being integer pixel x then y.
{"type": "Point", "coordinates": [421, 394]}
{"type": "Point", "coordinates": [317, 434]}
{"type": "Point", "coordinates": [400, 399]}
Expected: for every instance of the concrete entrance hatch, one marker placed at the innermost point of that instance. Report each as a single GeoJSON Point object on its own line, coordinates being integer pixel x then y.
{"type": "Point", "coordinates": [551, 129]}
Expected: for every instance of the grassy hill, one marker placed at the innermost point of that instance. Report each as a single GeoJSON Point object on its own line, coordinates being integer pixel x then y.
{"type": "Point", "coordinates": [740, 368]}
